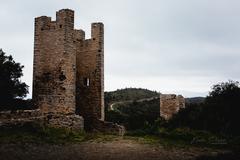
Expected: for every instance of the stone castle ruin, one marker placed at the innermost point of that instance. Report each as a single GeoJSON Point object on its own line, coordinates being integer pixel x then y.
{"type": "Point", "coordinates": [170, 104]}
{"type": "Point", "coordinates": [68, 78]}
{"type": "Point", "coordinates": [68, 70]}
{"type": "Point", "coordinates": [68, 74]}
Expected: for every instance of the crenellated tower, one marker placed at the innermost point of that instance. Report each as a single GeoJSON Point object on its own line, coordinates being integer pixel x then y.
{"type": "Point", "coordinates": [68, 74]}
{"type": "Point", "coordinates": [54, 72]}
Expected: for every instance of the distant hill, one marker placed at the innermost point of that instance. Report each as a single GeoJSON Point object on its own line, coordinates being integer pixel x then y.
{"type": "Point", "coordinates": [194, 100]}
{"type": "Point", "coordinates": [128, 94]}
{"type": "Point", "coordinates": [135, 107]}
{"type": "Point", "coordinates": [134, 114]}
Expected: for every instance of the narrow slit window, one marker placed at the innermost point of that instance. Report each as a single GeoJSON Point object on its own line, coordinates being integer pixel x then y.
{"type": "Point", "coordinates": [86, 82]}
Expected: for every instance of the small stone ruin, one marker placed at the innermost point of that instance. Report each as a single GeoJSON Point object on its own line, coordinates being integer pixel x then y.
{"type": "Point", "coordinates": [170, 104]}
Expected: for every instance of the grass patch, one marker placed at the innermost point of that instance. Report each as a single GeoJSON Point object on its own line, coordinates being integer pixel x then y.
{"type": "Point", "coordinates": [185, 137]}
{"type": "Point", "coordinates": [180, 137]}
{"type": "Point", "coordinates": [159, 141]}
{"type": "Point", "coordinates": [100, 137]}
{"type": "Point", "coordinates": [36, 133]}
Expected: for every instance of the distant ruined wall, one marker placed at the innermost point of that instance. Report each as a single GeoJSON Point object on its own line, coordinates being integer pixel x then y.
{"type": "Point", "coordinates": [170, 104]}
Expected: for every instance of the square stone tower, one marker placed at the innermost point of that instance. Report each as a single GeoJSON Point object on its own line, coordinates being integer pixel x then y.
{"type": "Point", "coordinates": [170, 104]}
{"type": "Point", "coordinates": [68, 70]}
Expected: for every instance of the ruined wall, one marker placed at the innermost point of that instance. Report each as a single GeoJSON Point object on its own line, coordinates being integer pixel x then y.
{"type": "Point", "coordinates": [72, 122]}
{"type": "Point", "coordinates": [54, 75]}
{"type": "Point", "coordinates": [19, 116]}
{"type": "Point", "coordinates": [90, 75]}
{"type": "Point", "coordinates": [170, 104]}
{"type": "Point", "coordinates": [108, 127]}
{"type": "Point", "coordinates": [181, 101]}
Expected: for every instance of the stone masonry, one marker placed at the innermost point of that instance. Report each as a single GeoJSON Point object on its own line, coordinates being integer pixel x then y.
{"type": "Point", "coordinates": [68, 70]}
{"type": "Point", "coordinates": [170, 104]}
{"type": "Point", "coordinates": [72, 122]}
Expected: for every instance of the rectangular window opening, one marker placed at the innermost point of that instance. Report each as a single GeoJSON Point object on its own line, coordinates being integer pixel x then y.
{"type": "Point", "coordinates": [86, 82]}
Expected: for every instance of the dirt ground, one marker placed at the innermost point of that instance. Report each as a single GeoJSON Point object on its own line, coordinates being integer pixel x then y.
{"type": "Point", "coordinates": [110, 150]}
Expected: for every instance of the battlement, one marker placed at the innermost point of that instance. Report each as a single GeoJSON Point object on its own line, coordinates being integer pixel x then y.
{"type": "Point", "coordinates": [43, 19]}
{"type": "Point", "coordinates": [43, 23]}
{"type": "Point", "coordinates": [97, 30]}
{"type": "Point", "coordinates": [65, 11]}
{"type": "Point", "coordinates": [64, 19]}
{"type": "Point", "coordinates": [79, 35]}
{"type": "Point", "coordinates": [96, 25]}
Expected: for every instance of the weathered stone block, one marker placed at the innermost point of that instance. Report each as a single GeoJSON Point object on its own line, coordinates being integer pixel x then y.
{"type": "Point", "coordinates": [72, 122]}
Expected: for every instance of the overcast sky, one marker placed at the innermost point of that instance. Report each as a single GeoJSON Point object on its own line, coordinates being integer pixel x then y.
{"type": "Point", "coordinates": [171, 46]}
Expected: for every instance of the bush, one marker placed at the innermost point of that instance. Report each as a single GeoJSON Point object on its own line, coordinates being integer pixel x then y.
{"type": "Point", "coordinates": [218, 114]}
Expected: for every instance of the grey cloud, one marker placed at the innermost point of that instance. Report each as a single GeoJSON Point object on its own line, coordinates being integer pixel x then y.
{"type": "Point", "coordinates": [148, 38]}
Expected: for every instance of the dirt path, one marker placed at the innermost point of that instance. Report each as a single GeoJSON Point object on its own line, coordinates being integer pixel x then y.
{"type": "Point", "coordinates": [129, 101]}
{"type": "Point", "coordinates": [114, 150]}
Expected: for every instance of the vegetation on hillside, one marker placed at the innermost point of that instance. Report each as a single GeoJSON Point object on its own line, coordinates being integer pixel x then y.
{"type": "Point", "coordinates": [214, 121]}
{"type": "Point", "coordinates": [219, 113]}
{"type": "Point", "coordinates": [194, 100]}
{"type": "Point", "coordinates": [134, 109]}
{"type": "Point", "coordinates": [134, 115]}
{"type": "Point", "coordinates": [128, 94]}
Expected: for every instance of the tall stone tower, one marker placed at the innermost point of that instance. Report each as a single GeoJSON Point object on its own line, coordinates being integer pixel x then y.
{"type": "Point", "coordinates": [90, 74]}
{"type": "Point", "coordinates": [68, 72]}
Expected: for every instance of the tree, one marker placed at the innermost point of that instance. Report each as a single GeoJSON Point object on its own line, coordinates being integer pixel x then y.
{"type": "Point", "coordinates": [224, 93]}
{"type": "Point", "coordinates": [11, 87]}
{"type": "Point", "coordinates": [219, 113]}
{"type": "Point", "coordinates": [224, 104]}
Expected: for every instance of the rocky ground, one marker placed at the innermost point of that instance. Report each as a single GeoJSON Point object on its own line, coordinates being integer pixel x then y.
{"type": "Point", "coordinates": [120, 149]}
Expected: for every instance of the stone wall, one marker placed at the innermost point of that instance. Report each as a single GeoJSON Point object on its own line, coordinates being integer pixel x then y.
{"type": "Point", "coordinates": [19, 116]}
{"type": "Point", "coordinates": [108, 127]}
{"type": "Point", "coordinates": [170, 104]}
{"type": "Point", "coordinates": [71, 121]}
